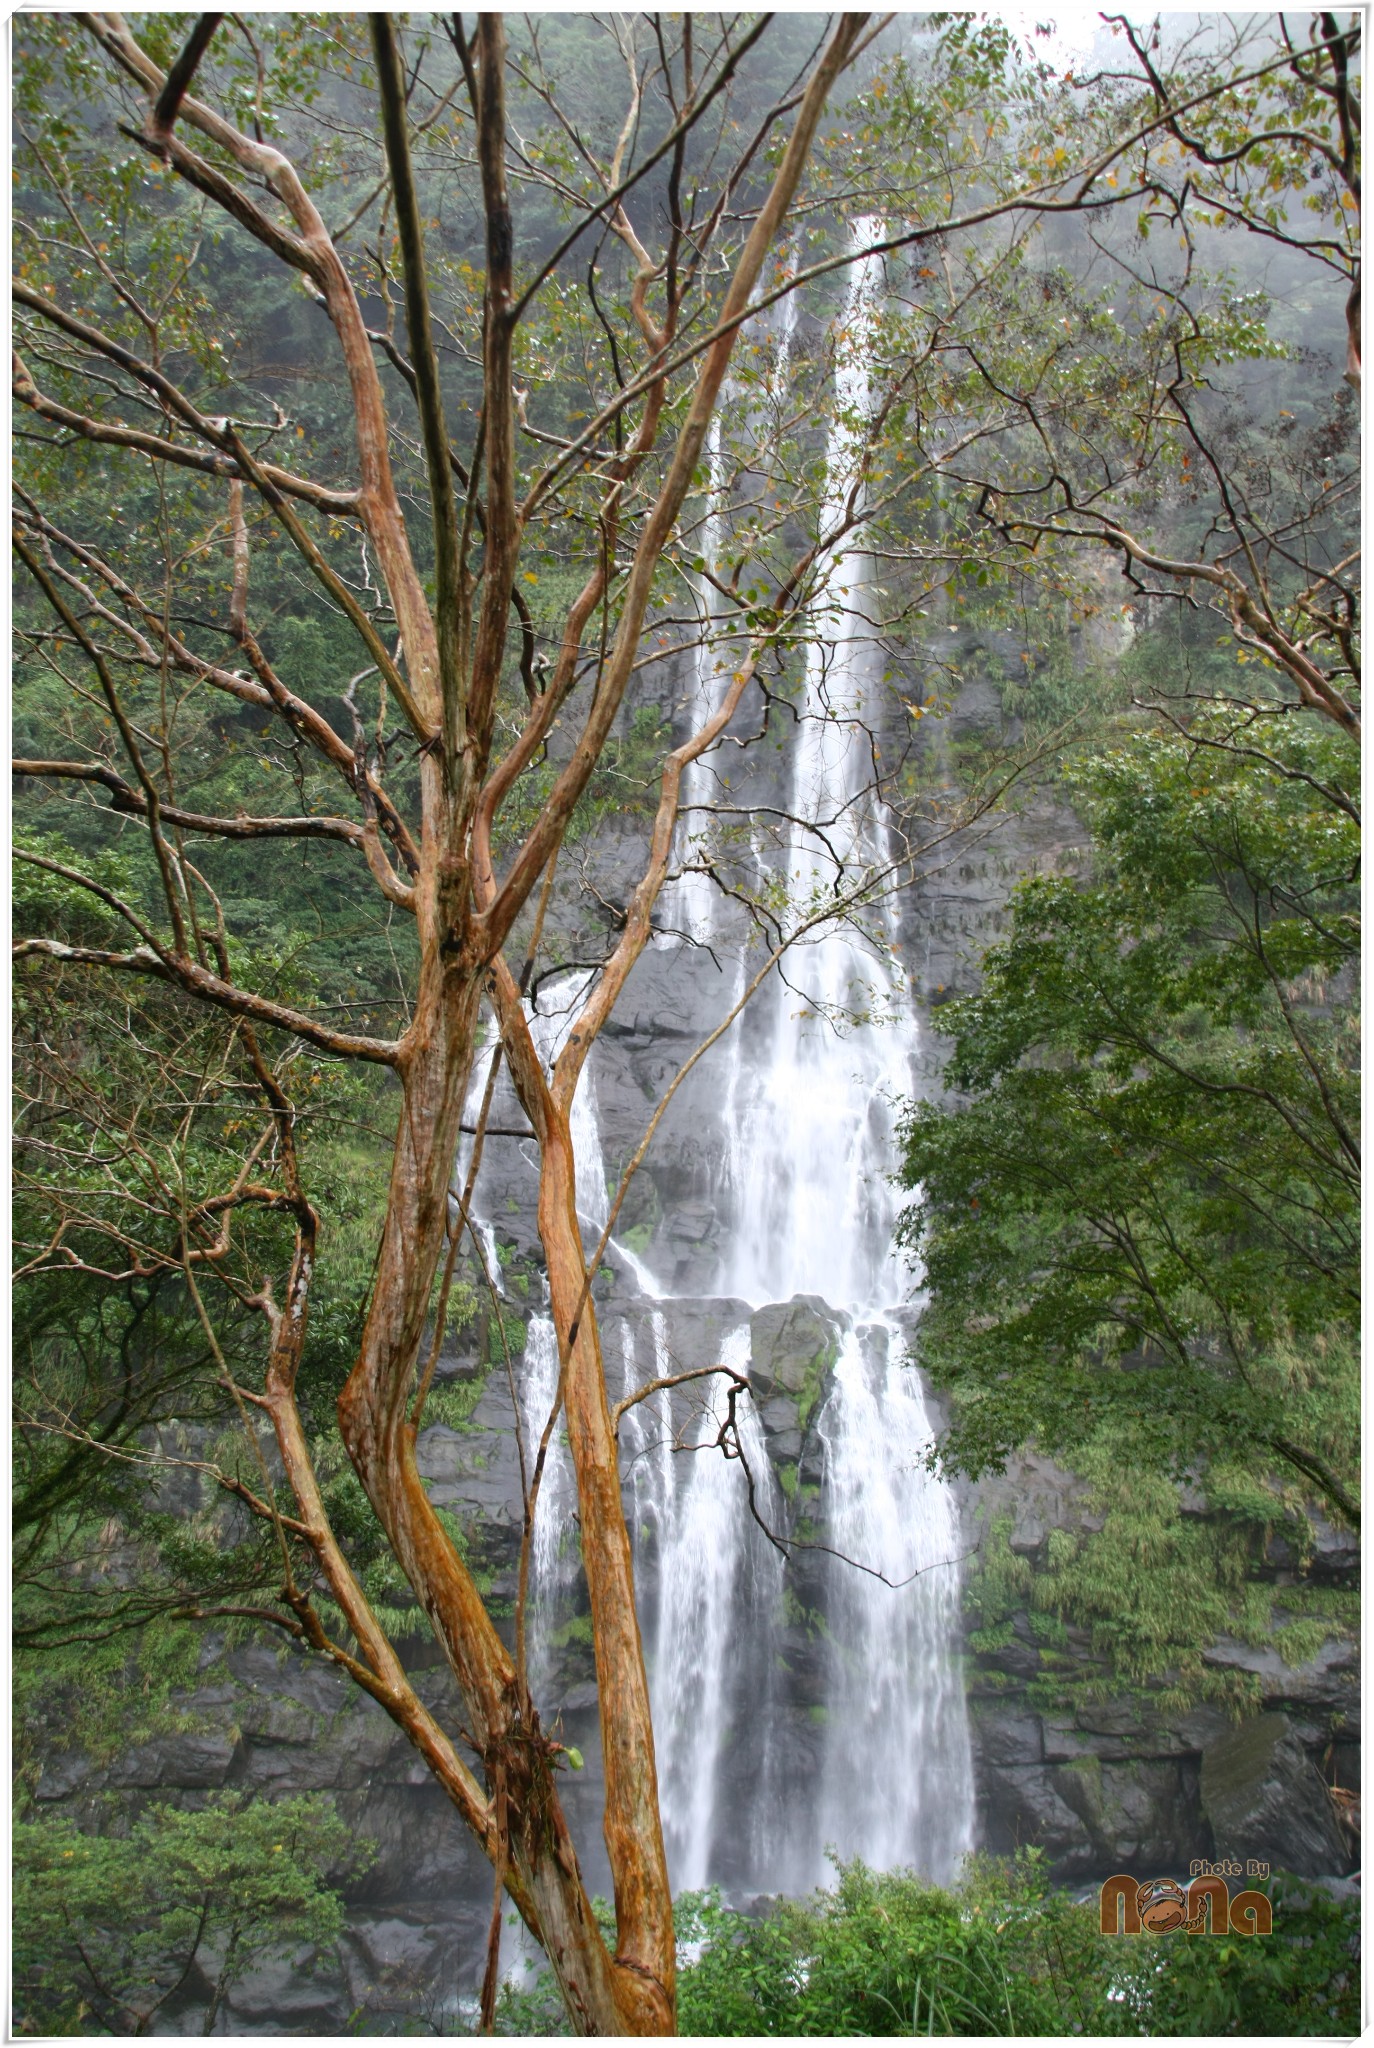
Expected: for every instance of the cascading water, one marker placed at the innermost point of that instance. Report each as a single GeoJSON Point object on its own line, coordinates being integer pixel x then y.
{"type": "Point", "coordinates": [553, 1552]}
{"type": "Point", "coordinates": [816, 1148]}
{"type": "Point", "coordinates": [549, 1028]}
{"type": "Point", "coordinates": [693, 897]}
{"type": "Point", "coordinates": [896, 1779]}
{"type": "Point", "coordinates": [808, 1108]}
{"type": "Point", "coordinates": [700, 1564]}
{"type": "Point", "coordinates": [821, 1119]}
{"type": "Point", "coordinates": [690, 901]}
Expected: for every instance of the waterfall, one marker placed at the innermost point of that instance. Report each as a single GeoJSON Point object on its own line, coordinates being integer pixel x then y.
{"type": "Point", "coordinates": [696, 1579]}
{"type": "Point", "coordinates": [549, 1028]}
{"type": "Point", "coordinates": [758, 1778]}
{"type": "Point", "coordinates": [487, 1236]}
{"type": "Point", "coordinates": [691, 900]}
{"type": "Point", "coordinates": [710, 1587]}
{"type": "Point", "coordinates": [813, 1153]}
{"type": "Point", "coordinates": [646, 1438]}
{"type": "Point", "coordinates": [692, 904]}
{"type": "Point", "coordinates": [554, 1557]}
{"type": "Point", "coordinates": [818, 1139]}
{"type": "Point", "coordinates": [895, 1784]}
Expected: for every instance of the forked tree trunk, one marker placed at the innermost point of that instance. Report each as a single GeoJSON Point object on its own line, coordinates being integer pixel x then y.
{"type": "Point", "coordinates": [517, 1761]}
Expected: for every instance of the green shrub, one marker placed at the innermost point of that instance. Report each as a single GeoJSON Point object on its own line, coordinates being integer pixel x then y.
{"type": "Point", "coordinates": [1004, 1954]}
{"type": "Point", "coordinates": [1000, 1954]}
{"type": "Point", "coordinates": [108, 1929]}
{"type": "Point", "coordinates": [1303, 1978]}
{"type": "Point", "coordinates": [888, 1954]}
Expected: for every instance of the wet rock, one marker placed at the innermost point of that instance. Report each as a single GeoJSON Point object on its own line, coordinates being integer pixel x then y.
{"type": "Point", "coordinates": [1120, 1732]}
{"type": "Point", "coordinates": [977, 709]}
{"type": "Point", "coordinates": [62, 1774]}
{"type": "Point", "coordinates": [1011, 1738]}
{"type": "Point", "coordinates": [184, 1761]}
{"type": "Point", "coordinates": [1264, 1798]}
{"type": "Point", "coordinates": [1020, 1806]}
{"type": "Point", "coordinates": [793, 1345]}
{"type": "Point", "coordinates": [297, 1993]}
{"type": "Point", "coordinates": [405, 1978]}
{"type": "Point", "coordinates": [1325, 1681]}
{"type": "Point", "coordinates": [784, 1438]}
{"type": "Point", "coordinates": [421, 1848]}
{"type": "Point", "coordinates": [691, 1222]}
{"type": "Point", "coordinates": [1138, 1815]}
{"type": "Point", "coordinates": [1336, 1551]}
{"type": "Point", "coordinates": [269, 1719]}
{"type": "Point", "coordinates": [1017, 1659]}
{"type": "Point", "coordinates": [276, 1674]}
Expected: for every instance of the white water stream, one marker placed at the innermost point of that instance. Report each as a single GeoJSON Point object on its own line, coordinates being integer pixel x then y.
{"type": "Point", "coordinates": [816, 1215]}
{"type": "Point", "coordinates": [810, 1092]}
{"type": "Point", "coordinates": [691, 904]}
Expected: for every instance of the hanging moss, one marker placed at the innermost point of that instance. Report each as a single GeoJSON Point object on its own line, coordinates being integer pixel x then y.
{"type": "Point", "coordinates": [1154, 1588]}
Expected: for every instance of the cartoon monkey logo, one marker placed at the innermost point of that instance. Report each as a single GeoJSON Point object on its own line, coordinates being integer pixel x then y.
{"type": "Point", "coordinates": [1162, 1905]}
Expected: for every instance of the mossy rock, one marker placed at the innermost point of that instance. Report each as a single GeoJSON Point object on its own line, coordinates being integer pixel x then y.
{"type": "Point", "coordinates": [794, 1344]}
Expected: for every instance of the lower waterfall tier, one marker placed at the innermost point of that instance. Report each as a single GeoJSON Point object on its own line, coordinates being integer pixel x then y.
{"type": "Point", "coordinates": [798, 1575]}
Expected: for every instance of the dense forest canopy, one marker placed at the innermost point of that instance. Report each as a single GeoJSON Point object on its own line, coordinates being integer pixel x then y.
{"type": "Point", "coordinates": [379, 384]}
{"type": "Point", "coordinates": [1160, 1170]}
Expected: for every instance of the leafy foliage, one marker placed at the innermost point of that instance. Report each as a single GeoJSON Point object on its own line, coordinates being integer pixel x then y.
{"type": "Point", "coordinates": [1301, 1979]}
{"type": "Point", "coordinates": [101, 1694]}
{"type": "Point", "coordinates": [110, 1929]}
{"type": "Point", "coordinates": [885, 1953]}
{"type": "Point", "coordinates": [1147, 1214]}
{"type": "Point", "coordinates": [1002, 1954]}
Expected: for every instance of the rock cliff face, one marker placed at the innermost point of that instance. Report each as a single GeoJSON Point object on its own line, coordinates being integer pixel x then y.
{"type": "Point", "coordinates": [275, 1724]}
{"type": "Point", "coordinates": [1099, 1788]}
{"type": "Point", "coordinates": [1109, 1785]}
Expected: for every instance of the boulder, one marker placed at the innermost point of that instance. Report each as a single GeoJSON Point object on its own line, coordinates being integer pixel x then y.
{"type": "Point", "coordinates": [792, 1344]}
{"type": "Point", "coordinates": [1265, 1799]}
{"type": "Point", "coordinates": [1326, 1683]}
{"type": "Point", "coordinates": [63, 1772]}
{"type": "Point", "coordinates": [1141, 1815]}
{"type": "Point", "coordinates": [295, 1992]}
{"type": "Point", "coordinates": [269, 1719]}
{"type": "Point", "coordinates": [1020, 1806]}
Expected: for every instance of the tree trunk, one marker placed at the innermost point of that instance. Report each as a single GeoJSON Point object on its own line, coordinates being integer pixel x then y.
{"type": "Point", "coordinates": [645, 1955]}
{"type": "Point", "coordinates": [380, 1439]}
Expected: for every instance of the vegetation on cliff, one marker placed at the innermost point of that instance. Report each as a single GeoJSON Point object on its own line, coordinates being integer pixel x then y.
{"type": "Point", "coordinates": [1140, 1231]}
{"type": "Point", "coordinates": [112, 1928]}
